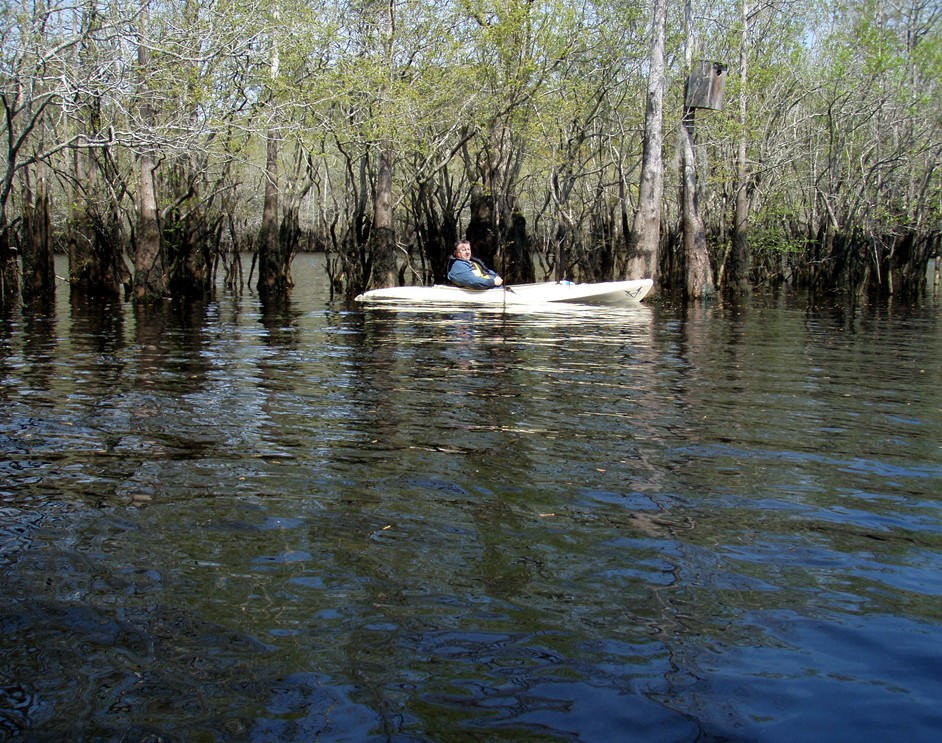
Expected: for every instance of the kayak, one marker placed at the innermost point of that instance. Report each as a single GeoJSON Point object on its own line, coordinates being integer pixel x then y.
{"type": "Point", "coordinates": [612, 293]}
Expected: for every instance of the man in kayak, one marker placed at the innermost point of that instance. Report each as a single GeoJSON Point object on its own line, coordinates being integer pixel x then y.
{"type": "Point", "coordinates": [468, 272]}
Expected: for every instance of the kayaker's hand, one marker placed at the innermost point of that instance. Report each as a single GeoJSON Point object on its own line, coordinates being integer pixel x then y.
{"type": "Point", "coordinates": [498, 281]}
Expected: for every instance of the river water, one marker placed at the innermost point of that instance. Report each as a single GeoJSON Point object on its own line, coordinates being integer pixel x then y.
{"type": "Point", "coordinates": [223, 522]}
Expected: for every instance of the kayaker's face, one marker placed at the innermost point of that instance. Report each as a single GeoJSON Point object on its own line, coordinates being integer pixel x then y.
{"type": "Point", "coordinates": [463, 251]}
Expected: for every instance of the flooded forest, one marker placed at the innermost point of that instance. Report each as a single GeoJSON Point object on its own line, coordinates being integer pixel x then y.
{"type": "Point", "coordinates": [171, 147]}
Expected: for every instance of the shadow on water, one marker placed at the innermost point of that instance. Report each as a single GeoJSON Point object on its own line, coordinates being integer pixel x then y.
{"type": "Point", "coordinates": [240, 520]}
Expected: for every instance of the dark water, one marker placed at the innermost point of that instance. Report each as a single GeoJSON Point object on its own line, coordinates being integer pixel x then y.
{"type": "Point", "coordinates": [220, 523]}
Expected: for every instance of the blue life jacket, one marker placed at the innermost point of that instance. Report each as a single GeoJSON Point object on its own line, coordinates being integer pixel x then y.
{"type": "Point", "coordinates": [471, 274]}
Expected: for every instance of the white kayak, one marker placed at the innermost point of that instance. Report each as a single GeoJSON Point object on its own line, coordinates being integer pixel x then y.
{"type": "Point", "coordinates": [605, 293]}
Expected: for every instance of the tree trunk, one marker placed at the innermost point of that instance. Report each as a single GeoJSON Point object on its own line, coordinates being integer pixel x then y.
{"type": "Point", "coordinates": [9, 271]}
{"type": "Point", "coordinates": [738, 273]}
{"type": "Point", "coordinates": [737, 278]}
{"type": "Point", "coordinates": [518, 263]}
{"type": "Point", "coordinates": [497, 229]}
{"type": "Point", "coordinates": [38, 284]}
{"type": "Point", "coordinates": [273, 265]}
{"type": "Point", "coordinates": [95, 236]}
{"type": "Point", "coordinates": [9, 265]}
{"type": "Point", "coordinates": [382, 238]}
{"type": "Point", "coordinates": [482, 223]}
{"type": "Point", "coordinates": [149, 277]}
{"type": "Point", "coordinates": [699, 274]}
{"type": "Point", "coordinates": [645, 236]}
{"type": "Point", "coordinates": [83, 269]}
{"type": "Point", "coordinates": [481, 232]}
{"type": "Point", "coordinates": [434, 210]}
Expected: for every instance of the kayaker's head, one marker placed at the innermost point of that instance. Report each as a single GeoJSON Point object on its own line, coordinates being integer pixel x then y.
{"type": "Point", "coordinates": [463, 250]}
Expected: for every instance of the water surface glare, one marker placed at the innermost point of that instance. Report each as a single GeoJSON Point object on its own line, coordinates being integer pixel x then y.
{"type": "Point", "coordinates": [230, 522]}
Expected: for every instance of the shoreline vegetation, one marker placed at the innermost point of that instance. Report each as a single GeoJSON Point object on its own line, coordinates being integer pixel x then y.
{"type": "Point", "coordinates": [154, 143]}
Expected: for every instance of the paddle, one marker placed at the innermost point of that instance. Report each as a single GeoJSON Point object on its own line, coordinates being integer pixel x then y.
{"type": "Point", "coordinates": [506, 289]}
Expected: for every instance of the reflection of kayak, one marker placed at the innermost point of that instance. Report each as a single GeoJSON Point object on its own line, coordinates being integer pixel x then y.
{"type": "Point", "coordinates": [606, 293]}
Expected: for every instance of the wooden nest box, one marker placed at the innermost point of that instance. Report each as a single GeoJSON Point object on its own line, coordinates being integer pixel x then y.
{"type": "Point", "coordinates": [705, 85]}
